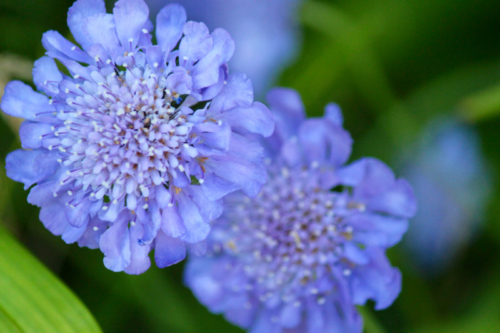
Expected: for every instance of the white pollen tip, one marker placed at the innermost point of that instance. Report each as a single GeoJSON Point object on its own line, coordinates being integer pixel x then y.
{"type": "Point", "coordinates": [108, 61]}
{"type": "Point", "coordinates": [70, 193]}
{"type": "Point", "coordinates": [66, 91]}
{"type": "Point", "coordinates": [92, 194]}
{"type": "Point", "coordinates": [170, 204]}
{"type": "Point", "coordinates": [59, 160]}
{"type": "Point", "coordinates": [132, 224]}
{"type": "Point", "coordinates": [131, 40]}
{"type": "Point", "coordinates": [73, 48]}
{"type": "Point", "coordinates": [95, 228]}
{"type": "Point", "coordinates": [201, 181]}
{"type": "Point", "coordinates": [145, 206]}
{"type": "Point", "coordinates": [68, 172]}
{"type": "Point", "coordinates": [115, 202]}
{"type": "Point", "coordinates": [104, 207]}
{"type": "Point", "coordinates": [145, 31]}
{"type": "Point", "coordinates": [76, 76]}
{"type": "Point", "coordinates": [55, 195]}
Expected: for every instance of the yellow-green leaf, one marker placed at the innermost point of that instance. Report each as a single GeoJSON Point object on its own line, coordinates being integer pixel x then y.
{"type": "Point", "coordinates": [33, 299]}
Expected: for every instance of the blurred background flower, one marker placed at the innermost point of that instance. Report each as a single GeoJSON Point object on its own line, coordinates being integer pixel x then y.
{"type": "Point", "coordinates": [452, 183]}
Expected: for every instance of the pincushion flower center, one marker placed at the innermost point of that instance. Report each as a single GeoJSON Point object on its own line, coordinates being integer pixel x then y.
{"type": "Point", "coordinates": [130, 130]}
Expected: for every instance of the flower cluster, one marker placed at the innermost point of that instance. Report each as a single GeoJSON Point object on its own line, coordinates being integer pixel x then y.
{"type": "Point", "coordinates": [135, 148]}
{"type": "Point", "coordinates": [311, 246]}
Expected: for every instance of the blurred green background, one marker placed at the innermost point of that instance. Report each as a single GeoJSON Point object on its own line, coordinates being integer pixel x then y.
{"type": "Point", "coordinates": [393, 66]}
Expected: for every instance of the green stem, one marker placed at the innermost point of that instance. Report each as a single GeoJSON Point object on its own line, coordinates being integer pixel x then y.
{"type": "Point", "coordinates": [371, 323]}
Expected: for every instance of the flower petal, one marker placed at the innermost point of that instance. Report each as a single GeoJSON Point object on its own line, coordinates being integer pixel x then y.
{"type": "Point", "coordinates": [60, 48]}
{"type": "Point", "coordinates": [197, 228]}
{"type": "Point", "coordinates": [115, 244]}
{"type": "Point", "coordinates": [31, 134]}
{"type": "Point", "coordinates": [30, 167]}
{"type": "Point", "coordinates": [168, 250]}
{"type": "Point", "coordinates": [287, 109]}
{"type": "Point", "coordinates": [46, 75]}
{"type": "Point", "coordinates": [100, 29]}
{"type": "Point", "coordinates": [324, 142]}
{"type": "Point", "coordinates": [169, 24]}
{"type": "Point", "coordinates": [130, 17]}
{"type": "Point", "coordinates": [256, 119]}
{"type": "Point", "coordinates": [80, 10]}
{"type": "Point", "coordinates": [21, 101]}
{"type": "Point", "coordinates": [139, 259]}
{"type": "Point", "coordinates": [196, 42]}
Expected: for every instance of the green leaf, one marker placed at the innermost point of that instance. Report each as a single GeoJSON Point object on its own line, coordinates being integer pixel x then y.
{"type": "Point", "coordinates": [482, 105]}
{"type": "Point", "coordinates": [33, 299]}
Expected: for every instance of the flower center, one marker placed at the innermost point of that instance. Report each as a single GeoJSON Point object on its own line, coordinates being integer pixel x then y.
{"type": "Point", "coordinates": [291, 235]}
{"type": "Point", "coordinates": [128, 131]}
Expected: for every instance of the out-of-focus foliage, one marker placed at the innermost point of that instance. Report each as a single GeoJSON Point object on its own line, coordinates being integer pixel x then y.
{"type": "Point", "coordinates": [393, 66]}
{"type": "Point", "coordinates": [33, 300]}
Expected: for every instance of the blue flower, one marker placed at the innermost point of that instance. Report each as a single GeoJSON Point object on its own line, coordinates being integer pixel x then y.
{"type": "Point", "coordinates": [300, 256]}
{"type": "Point", "coordinates": [266, 32]}
{"type": "Point", "coordinates": [135, 148]}
{"type": "Point", "coordinates": [452, 183]}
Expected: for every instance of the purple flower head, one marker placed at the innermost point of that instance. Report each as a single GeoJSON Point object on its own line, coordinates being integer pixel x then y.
{"type": "Point", "coordinates": [135, 148]}
{"type": "Point", "coordinates": [300, 256]}
{"type": "Point", "coordinates": [452, 183]}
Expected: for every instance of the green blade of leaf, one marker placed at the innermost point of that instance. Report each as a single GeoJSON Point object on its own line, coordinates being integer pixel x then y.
{"type": "Point", "coordinates": [7, 324]}
{"type": "Point", "coordinates": [33, 299]}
